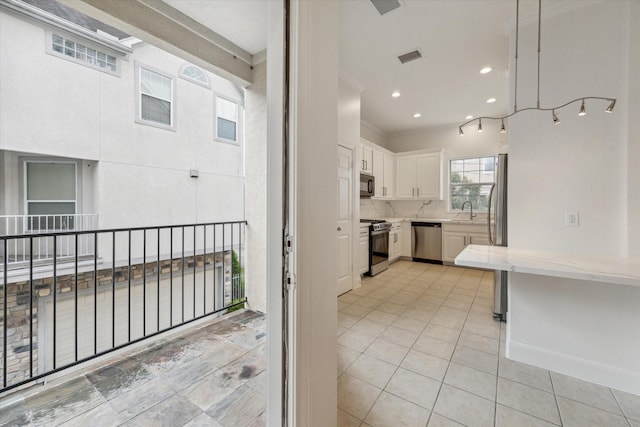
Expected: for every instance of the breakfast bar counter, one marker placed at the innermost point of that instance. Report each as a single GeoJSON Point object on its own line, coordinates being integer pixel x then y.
{"type": "Point", "coordinates": [576, 314]}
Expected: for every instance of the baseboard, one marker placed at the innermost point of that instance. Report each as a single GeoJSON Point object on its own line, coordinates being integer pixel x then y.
{"type": "Point", "coordinates": [606, 375]}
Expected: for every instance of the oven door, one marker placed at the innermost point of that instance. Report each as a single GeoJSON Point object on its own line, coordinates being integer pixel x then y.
{"type": "Point", "coordinates": [378, 252]}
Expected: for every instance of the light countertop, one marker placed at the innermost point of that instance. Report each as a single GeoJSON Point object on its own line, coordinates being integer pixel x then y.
{"type": "Point", "coordinates": [482, 221]}
{"type": "Point", "coordinates": [597, 268]}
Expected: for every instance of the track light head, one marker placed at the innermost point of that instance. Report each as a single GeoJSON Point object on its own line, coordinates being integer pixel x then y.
{"type": "Point", "coordinates": [582, 111]}
{"type": "Point", "coordinates": [479, 125]}
{"type": "Point", "coordinates": [502, 128]}
{"type": "Point", "coordinates": [460, 131]}
{"type": "Point", "coordinates": [611, 106]}
{"type": "Point", "coordinates": [556, 120]}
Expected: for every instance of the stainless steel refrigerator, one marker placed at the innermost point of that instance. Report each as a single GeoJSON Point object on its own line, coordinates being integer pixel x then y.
{"type": "Point", "coordinates": [497, 224]}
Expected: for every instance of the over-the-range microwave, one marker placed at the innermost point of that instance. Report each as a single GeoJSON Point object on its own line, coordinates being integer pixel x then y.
{"type": "Point", "coordinates": [367, 185]}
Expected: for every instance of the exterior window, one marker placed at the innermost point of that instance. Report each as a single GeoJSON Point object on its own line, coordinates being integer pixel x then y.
{"type": "Point", "coordinates": [79, 52]}
{"type": "Point", "coordinates": [156, 97]}
{"type": "Point", "coordinates": [50, 194]}
{"type": "Point", "coordinates": [226, 120]}
{"type": "Point", "coordinates": [471, 179]}
{"type": "Point", "coordinates": [194, 75]}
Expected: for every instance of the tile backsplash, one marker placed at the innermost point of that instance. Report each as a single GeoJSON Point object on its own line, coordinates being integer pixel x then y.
{"type": "Point", "coordinates": [433, 209]}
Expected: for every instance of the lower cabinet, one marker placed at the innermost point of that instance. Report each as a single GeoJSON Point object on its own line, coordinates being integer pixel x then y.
{"type": "Point", "coordinates": [364, 250]}
{"type": "Point", "coordinates": [456, 237]}
{"type": "Point", "coordinates": [395, 241]}
{"type": "Point", "coordinates": [405, 239]}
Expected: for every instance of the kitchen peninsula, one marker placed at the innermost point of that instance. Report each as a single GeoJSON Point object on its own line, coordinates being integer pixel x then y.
{"type": "Point", "coordinates": [560, 304]}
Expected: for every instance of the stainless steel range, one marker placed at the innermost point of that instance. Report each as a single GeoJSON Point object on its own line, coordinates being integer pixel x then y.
{"type": "Point", "coordinates": [378, 245]}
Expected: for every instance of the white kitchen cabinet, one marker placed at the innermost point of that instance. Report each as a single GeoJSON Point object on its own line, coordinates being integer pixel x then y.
{"type": "Point", "coordinates": [456, 237]}
{"type": "Point", "coordinates": [388, 178]}
{"type": "Point", "coordinates": [395, 241]}
{"type": "Point", "coordinates": [363, 257]}
{"type": "Point", "coordinates": [366, 159]}
{"type": "Point", "coordinates": [405, 239]}
{"type": "Point", "coordinates": [383, 173]}
{"type": "Point", "coordinates": [378, 172]}
{"type": "Point", "coordinates": [419, 176]}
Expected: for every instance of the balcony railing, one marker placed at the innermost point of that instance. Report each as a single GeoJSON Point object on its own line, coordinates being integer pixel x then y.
{"type": "Point", "coordinates": [148, 280]}
{"type": "Point", "coordinates": [19, 251]}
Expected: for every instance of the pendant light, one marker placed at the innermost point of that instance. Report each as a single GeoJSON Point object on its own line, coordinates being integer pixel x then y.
{"type": "Point", "coordinates": [581, 112]}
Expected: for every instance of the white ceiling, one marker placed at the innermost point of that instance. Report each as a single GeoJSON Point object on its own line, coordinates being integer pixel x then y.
{"type": "Point", "coordinates": [456, 37]}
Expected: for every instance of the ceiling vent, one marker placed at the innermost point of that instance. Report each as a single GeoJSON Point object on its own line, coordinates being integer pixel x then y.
{"type": "Point", "coordinates": [386, 6]}
{"type": "Point", "coordinates": [410, 56]}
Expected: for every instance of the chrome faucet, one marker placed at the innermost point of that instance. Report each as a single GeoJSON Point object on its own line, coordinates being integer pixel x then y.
{"type": "Point", "coordinates": [471, 214]}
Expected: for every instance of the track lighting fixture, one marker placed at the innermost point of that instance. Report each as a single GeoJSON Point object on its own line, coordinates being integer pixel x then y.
{"type": "Point", "coordinates": [581, 112]}
{"type": "Point", "coordinates": [610, 107]}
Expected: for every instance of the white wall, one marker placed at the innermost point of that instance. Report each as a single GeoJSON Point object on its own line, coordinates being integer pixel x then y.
{"type": "Point", "coordinates": [579, 164]}
{"type": "Point", "coordinates": [54, 107]}
{"type": "Point", "coordinates": [585, 164]}
{"type": "Point", "coordinates": [633, 131]}
{"type": "Point", "coordinates": [256, 188]}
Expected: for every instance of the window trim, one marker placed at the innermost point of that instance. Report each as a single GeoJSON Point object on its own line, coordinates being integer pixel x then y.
{"type": "Point", "coordinates": [24, 161]}
{"type": "Point", "coordinates": [479, 184]}
{"type": "Point", "coordinates": [87, 43]}
{"type": "Point", "coordinates": [239, 121]}
{"type": "Point", "coordinates": [138, 97]}
{"type": "Point", "coordinates": [181, 74]}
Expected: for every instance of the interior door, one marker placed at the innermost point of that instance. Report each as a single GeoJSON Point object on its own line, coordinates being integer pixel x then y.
{"type": "Point", "coordinates": [345, 220]}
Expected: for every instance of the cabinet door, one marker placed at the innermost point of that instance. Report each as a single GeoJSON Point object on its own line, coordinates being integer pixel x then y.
{"type": "Point", "coordinates": [378, 173]}
{"type": "Point", "coordinates": [388, 176]}
{"type": "Point", "coordinates": [364, 255]}
{"type": "Point", "coordinates": [428, 176]}
{"type": "Point", "coordinates": [405, 177]}
{"type": "Point", "coordinates": [478, 239]}
{"type": "Point", "coordinates": [405, 239]}
{"type": "Point", "coordinates": [367, 157]}
{"type": "Point", "coordinates": [394, 247]}
{"type": "Point", "coordinates": [452, 244]}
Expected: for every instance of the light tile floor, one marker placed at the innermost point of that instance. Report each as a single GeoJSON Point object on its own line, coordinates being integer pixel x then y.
{"type": "Point", "coordinates": [417, 346]}
{"type": "Point", "coordinates": [210, 375]}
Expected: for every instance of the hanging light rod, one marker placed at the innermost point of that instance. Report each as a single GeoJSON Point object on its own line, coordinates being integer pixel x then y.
{"type": "Point", "coordinates": [581, 112]}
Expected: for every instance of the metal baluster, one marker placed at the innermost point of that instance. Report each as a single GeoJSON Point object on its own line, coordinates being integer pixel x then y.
{"type": "Point", "coordinates": [76, 300]}
{"type": "Point", "coordinates": [4, 318]}
{"type": "Point", "coordinates": [129, 289]}
{"type": "Point", "coordinates": [55, 288]}
{"type": "Point", "coordinates": [182, 265]}
{"type": "Point", "coordinates": [194, 271]}
{"type": "Point", "coordinates": [113, 289]}
{"type": "Point", "coordinates": [158, 283]}
{"type": "Point", "coordinates": [30, 307]}
{"type": "Point", "coordinates": [144, 282]}
{"type": "Point", "coordinates": [95, 292]}
{"type": "Point", "coordinates": [171, 278]}
{"type": "Point", "coordinates": [204, 270]}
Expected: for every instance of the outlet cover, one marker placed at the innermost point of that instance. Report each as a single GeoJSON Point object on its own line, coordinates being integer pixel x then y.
{"type": "Point", "coordinates": [571, 219]}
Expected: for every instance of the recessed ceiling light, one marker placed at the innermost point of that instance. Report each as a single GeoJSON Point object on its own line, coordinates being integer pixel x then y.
{"type": "Point", "coordinates": [469, 117]}
{"type": "Point", "coordinates": [491, 100]}
{"type": "Point", "coordinates": [395, 94]}
{"type": "Point", "coordinates": [486, 70]}
{"type": "Point", "coordinates": [416, 115]}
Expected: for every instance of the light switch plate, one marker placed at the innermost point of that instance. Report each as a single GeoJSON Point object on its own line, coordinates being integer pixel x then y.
{"type": "Point", "coordinates": [571, 219]}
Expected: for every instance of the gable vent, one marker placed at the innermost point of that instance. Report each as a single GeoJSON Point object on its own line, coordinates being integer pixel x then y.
{"type": "Point", "coordinates": [385, 6]}
{"type": "Point", "coordinates": [410, 56]}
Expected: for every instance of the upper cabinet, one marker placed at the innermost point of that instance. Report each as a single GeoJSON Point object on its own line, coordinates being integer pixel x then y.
{"type": "Point", "coordinates": [366, 159]}
{"type": "Point", "coordinates": [419, 176]}
{"type": "Point", "coordinates": [384, 174]}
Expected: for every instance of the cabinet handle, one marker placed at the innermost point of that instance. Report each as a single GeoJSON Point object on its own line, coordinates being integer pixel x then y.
{"type": "Point", "coordinates": [413, 192]}
{"type": "Point", "coordinates": [465, 241]}
{"type": "Point", "coordinates": [470, 240]}
{"type": "Point", "coordinates": [418, 191]}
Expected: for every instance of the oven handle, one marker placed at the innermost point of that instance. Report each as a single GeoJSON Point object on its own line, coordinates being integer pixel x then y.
{"type": "Point", "coordinates": [379, 232]}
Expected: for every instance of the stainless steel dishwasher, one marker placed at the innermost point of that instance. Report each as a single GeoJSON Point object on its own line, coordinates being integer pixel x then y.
{"type": "Point", "coordinates": [426, 242]}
